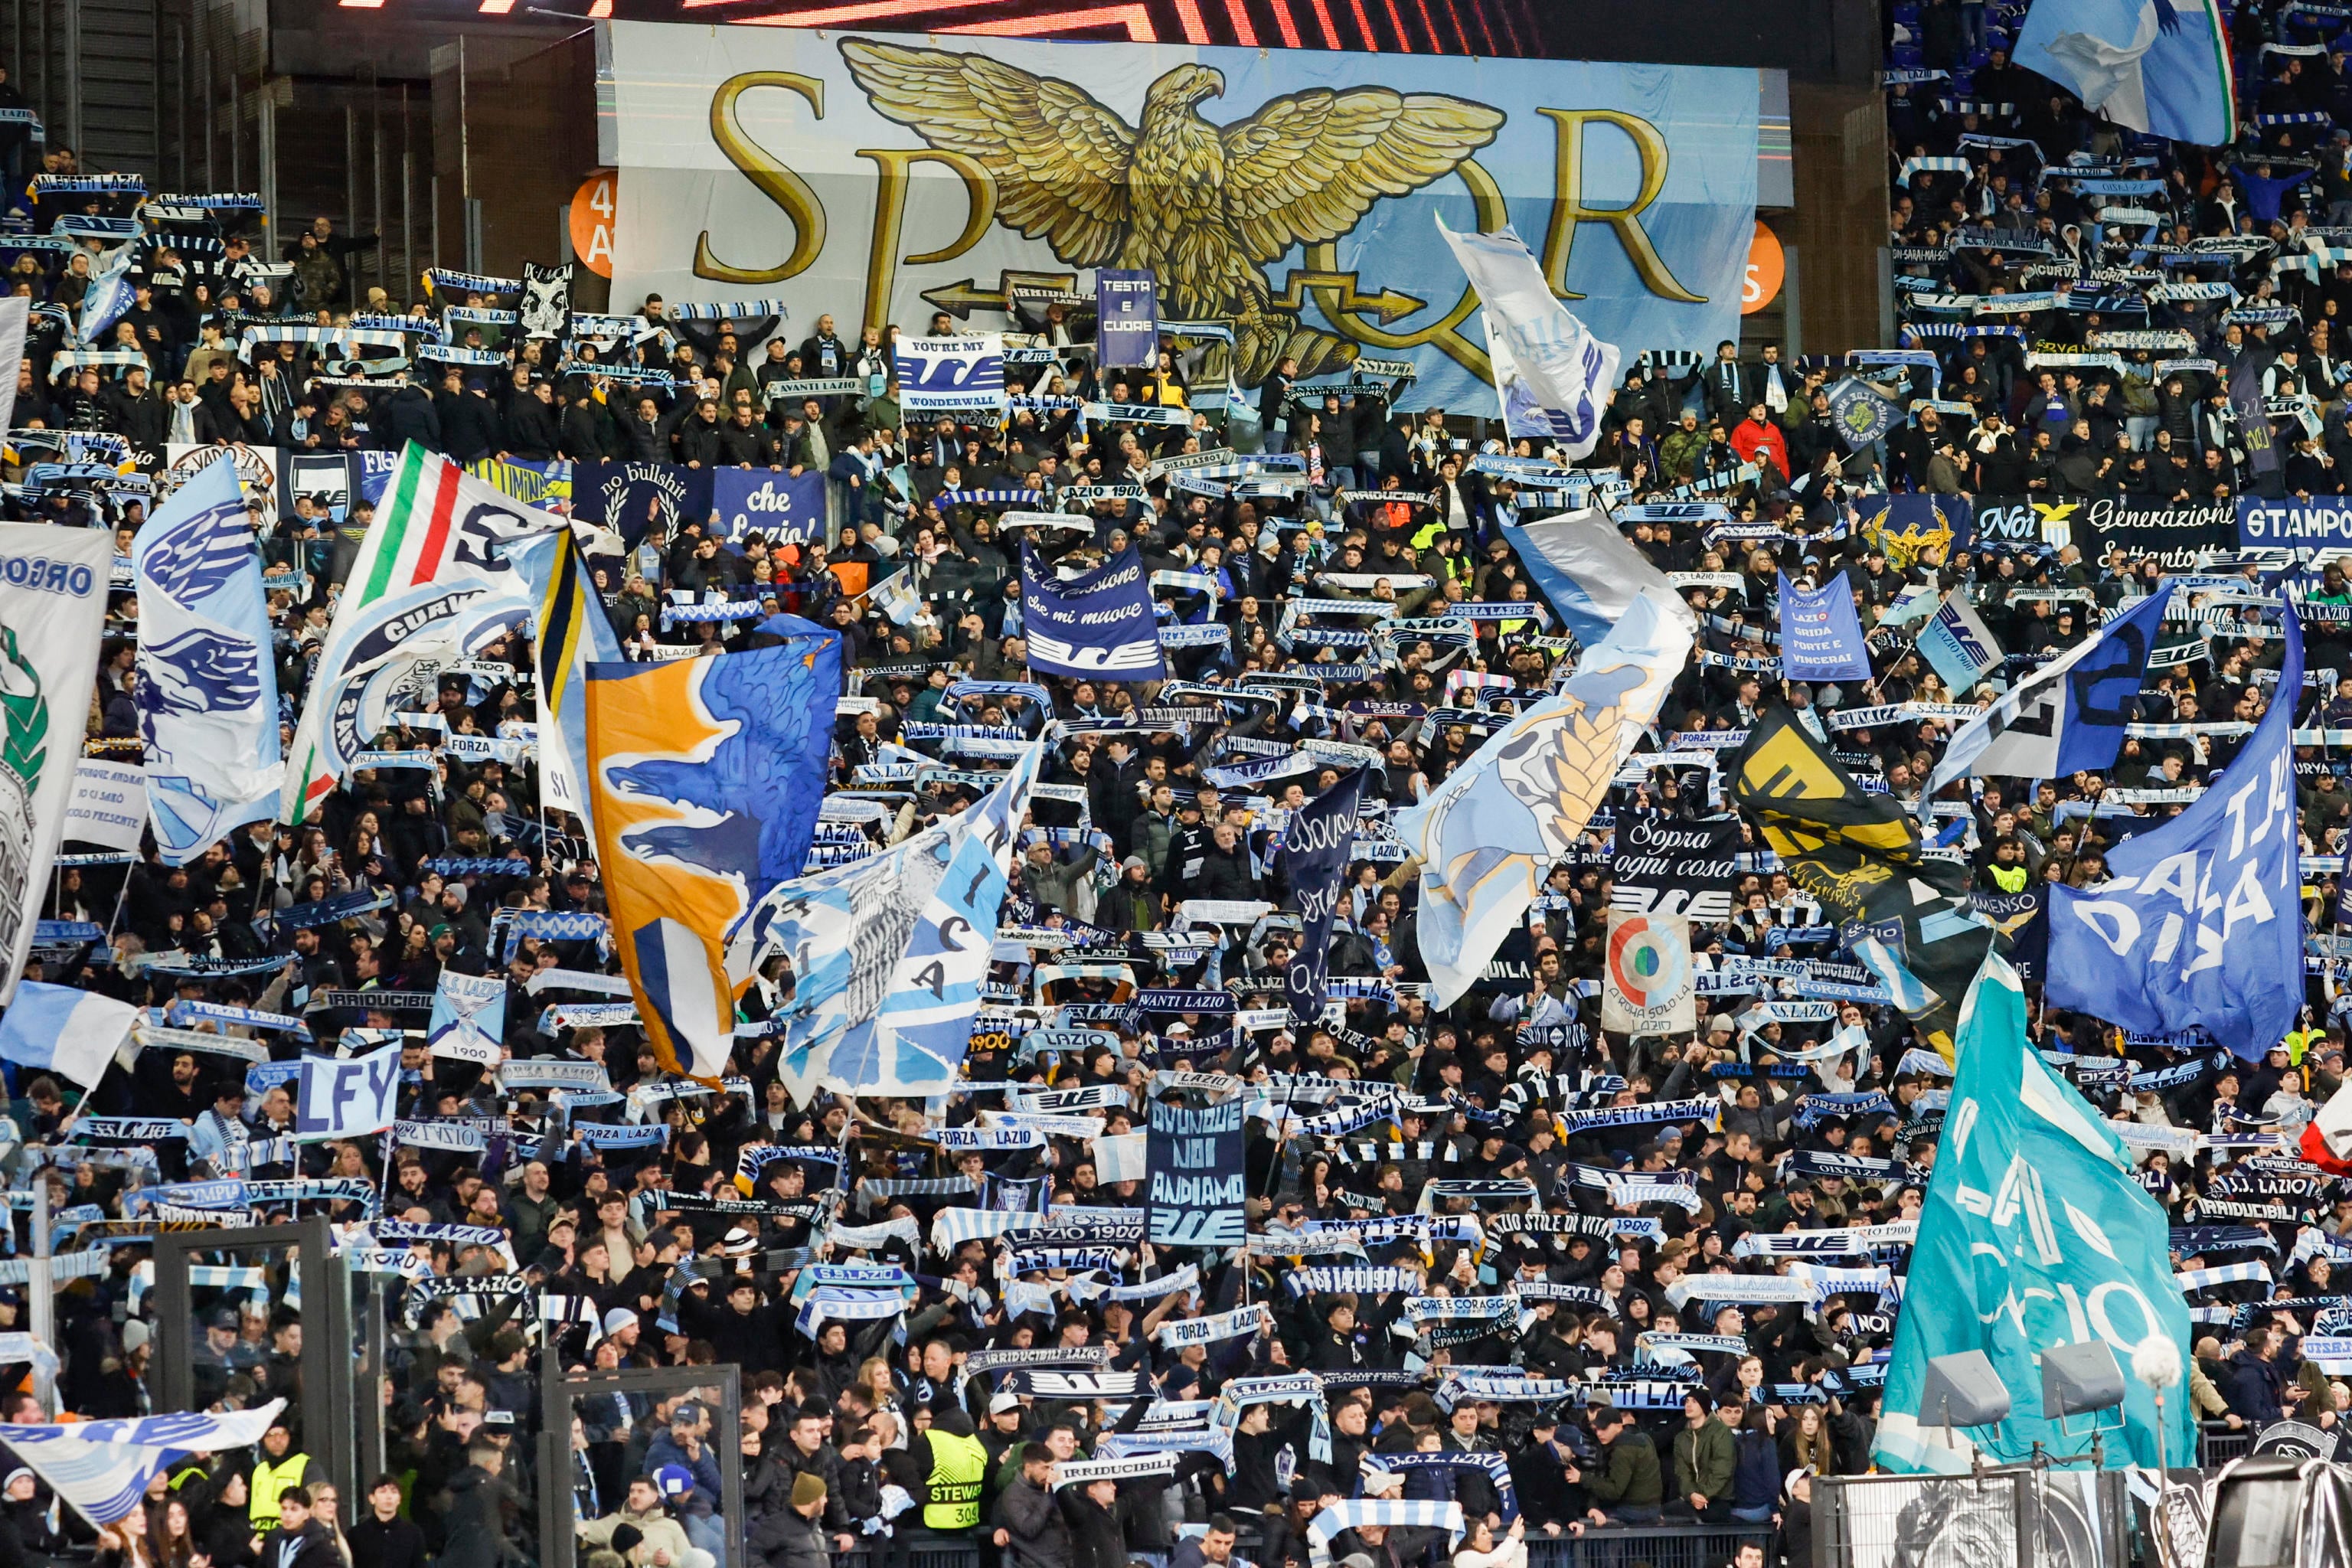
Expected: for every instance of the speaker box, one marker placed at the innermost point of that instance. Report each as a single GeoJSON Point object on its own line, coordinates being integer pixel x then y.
{"type": "Point", "coordinates": [2079, 1379]}
{"type": "Point", "coordinates": [1963, 1390]}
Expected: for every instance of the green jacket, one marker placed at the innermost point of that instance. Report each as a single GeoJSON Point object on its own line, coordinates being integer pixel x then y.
{"type": "Point", "coordinates": [1704, 1460]}
{"type": "Point", "coordinates": [1633, 1477]}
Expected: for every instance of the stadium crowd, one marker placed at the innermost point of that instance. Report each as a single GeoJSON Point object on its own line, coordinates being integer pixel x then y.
{"type": "Point", "coordinates": [884, 1436]}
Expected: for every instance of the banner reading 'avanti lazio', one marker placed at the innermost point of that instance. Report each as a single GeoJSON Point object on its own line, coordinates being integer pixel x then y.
{"type": "Point", "coordinates": [1288, 192]}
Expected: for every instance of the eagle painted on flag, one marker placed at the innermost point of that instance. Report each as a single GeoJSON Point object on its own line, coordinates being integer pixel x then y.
{"type": "Point", "coordinates": [1206, 207]}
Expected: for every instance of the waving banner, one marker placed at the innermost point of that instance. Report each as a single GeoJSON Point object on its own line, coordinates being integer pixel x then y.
{"type": "Point", "coordinates": [207, 672]}
{"type": "Point", "coordinates": [2035, 1235]}
{"type": "Point", "coordinates": [705, 776]}
{"type": "Point", "coordinates": [1315, 849]}
{"type": "Point", "coordinates": [1098, 625]}
{"type": "Point", "coordinates": [2200, 922]}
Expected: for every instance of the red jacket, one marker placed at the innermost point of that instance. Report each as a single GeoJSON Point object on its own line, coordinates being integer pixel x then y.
{"type": "Point", "coordinates": [1749, 437]}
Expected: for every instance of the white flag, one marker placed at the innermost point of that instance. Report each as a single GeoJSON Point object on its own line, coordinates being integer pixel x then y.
{"type": "Point", "coordinates": [347, 1098]}
{"type": "Point", "coordinates": [1553, 377]}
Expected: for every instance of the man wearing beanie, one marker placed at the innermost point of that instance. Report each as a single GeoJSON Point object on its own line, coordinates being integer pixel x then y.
{"type": "Point", "coordinates": [800, 1540]}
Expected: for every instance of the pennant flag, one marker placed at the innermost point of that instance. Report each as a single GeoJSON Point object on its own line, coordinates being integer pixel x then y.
{"type": "Point", "coordinates": [1490, 834]}
{"type": "Point", "coordinates": [429, 587]}
{"type": "Point", "coordinates": [2066, 717]}
{"type": "Point", "coordinates": [56, 1028]}
{"type": "Point", "coordinates": [2199, 924]}
{"type": "Point", "coordinates": [53, 583]}
{"type": "Point", "coordinates": [469, 1017]}
{"type": "Point", "coordinates": [2034, 1235]}
{"type": "Point", "coordinates": [1127, 317]}
{"type": "Point", "coordinates": [705, 776]}
{"type": "Point", "coordinates": [207, 684]}
{"type": "Point", "coordinates": [347, 1097]}
{"type": "Point", "coordinates": [1590, 572]}
{"type": "Point", "coordinates": [2155, 66]}
{"type": "Point", "coordinates": [1554, 377]}
{"type": "Point", "coordinates": [1859, 853]}
{"type": "Point", "coordinates": [915, 1042]}
{"type": "Point", "coordinates": [101, 1468]}
{"type": "Point", "coordinates": [1096, 625]}
{"type": "Point", "coordinates": [1862, 412]}
{"type": "Point", "coordinates": [1316, 848]}
{"type": "Point", "coordinates": [572, 634]}
{"type": "Point", "coordinates": [1647, 986]}
{"type": "Point", "coordinates": [1958, 644]}
{"type": "Point", "coordinates": [1820, 636]}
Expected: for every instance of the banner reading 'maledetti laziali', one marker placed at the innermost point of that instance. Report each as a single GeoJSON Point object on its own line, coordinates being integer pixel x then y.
{"type": "Point", "coordinates": [884, 177]}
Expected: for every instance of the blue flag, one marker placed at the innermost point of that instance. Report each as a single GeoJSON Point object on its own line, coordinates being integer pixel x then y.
{"type": "Point", "coordinates": [207, 682]}
{"type": "Point", "coordinates": [2068, 716]}
{"type": "Point", "coordinates": [1820, 636]}
{"type": "Point", "coordinates": [1862, 412]}
{"type": "Point", "coordinates": [1096, 625]}
{"type": "Point", "coordinates": [2034, 1235]}
{"type": "Point", "coordinates": [2201, 922]}
{"type": "Point", "coordinates": [2158, 66]}
{"type": "Point", "coordinates": [1316, 848]}
{"type": "Point", "coordinates": [1127, 318]}
{"type": "Point", "coordinates": [1590, 571]}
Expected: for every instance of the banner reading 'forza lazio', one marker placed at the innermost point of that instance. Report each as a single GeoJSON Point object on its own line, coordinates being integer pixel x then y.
{"type": "Point", "coordinates": [876, 172]}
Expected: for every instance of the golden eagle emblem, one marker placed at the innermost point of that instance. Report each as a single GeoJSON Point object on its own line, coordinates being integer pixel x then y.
{"type": "Point", "coordinates": [1204, 207]}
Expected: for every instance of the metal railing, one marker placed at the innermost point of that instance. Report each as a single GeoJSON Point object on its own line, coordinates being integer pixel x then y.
{"type": "Point", "coordinates": [1601, 1546]}
{"type": "Point", "coordinates": [2013, 1517]}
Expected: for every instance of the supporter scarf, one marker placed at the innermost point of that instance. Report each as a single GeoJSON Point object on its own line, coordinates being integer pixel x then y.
{"type": "Point", "coordinates": [870, 1192]}
{"type": "Point", "coordinates": [1544, 1290]}
{"type": "Point", "coordinates": [1739, 1289]}
{"type": "Point", "coordinates": [1364, 1281]}
{"type": "Point", "coordinates": [1210, 1439]}
{"type": "Point", "coordinates": [1497, 1468]}
{"type": "Point", "coordinates": [1811, 1164]}
{"type": "Point", "coordinates": [1701, 1110]}
{"type": "Point", "coordinates": [1185, 1278]}
{"type": "Point", "coordinates": [1599, 1225]}
{"type": "Point", "coordinates": [871, 1238]}
{"type": "Point", "coordinates": [1075, 1387]}
{"type": "Point", "coordinates": [127, 1130]}
{"type": "Point", "coordinates": [183, 1012]}
{"type": "Point", "coordinates": [834, 1301]}
{"type": "Point", "coordinates": [1084, 1472]}
{"type": "Point", "coordinates": [1177, 1334]}
{"type": "Point", "coordinates": [1826, 1243]}
{"type": "Point", "coordinates": [2196, 1238]}
{"type": "Point", "coordinates": [1044, 1259]}
{"type": "Point", "coordinates": [1633, 1191]}
{"type": "Point", "coordinates": [1479, 1308]}
{"type": "Point", "coordinates": [1346, 1516]}
{"type": "Point", "coordinates": [1064, 1227]}
{"type": "Point", "coordinates": [1680, 1349]}
{"type": "Point", "coordinates": [1504, 1191]}
{"type": "Point", "coordinates": [2193, 1279]}
{"type": "Point", "coordinates": [981, 1362]}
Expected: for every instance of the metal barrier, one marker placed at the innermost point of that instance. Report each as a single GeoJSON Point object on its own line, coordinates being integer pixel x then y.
{"type": "Point", "coordinates": [2216, 1445]}
{"type": "Point", "coordinates": [2012, 1516]}
{"type": "Point", "coordinates": [1602, 1546]}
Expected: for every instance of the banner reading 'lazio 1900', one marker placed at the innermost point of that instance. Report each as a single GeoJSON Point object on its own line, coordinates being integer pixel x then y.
{"type": "Point", "coordinates": [875, 173]}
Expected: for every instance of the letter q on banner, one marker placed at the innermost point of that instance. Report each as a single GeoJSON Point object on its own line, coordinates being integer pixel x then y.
{"type": "Point", "coordinates": [347, 1098]}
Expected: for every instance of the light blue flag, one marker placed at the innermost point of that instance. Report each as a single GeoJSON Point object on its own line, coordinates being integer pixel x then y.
{"type": "Point", "coordinates": [111, 293]}
{"type": "Point", "coordinates": [1590, 572]}
{"type": "Point", "coordinates": [888, 951]}
{"type": "Point", "coordinates": [2034, 1235]}
{"type": "Point", "coordinates": [2158, 66]}
{"type": "Point", "coordinates": [572, 633]}
{"type": "Point", "coordinates": [207, 688]}
{"type": "Point", "coordinates": [469, 1017]}
{"type": "Point", "coordinates": [102, 1467]}
{"type": "Point", "coordinates": [1820, 636]}
{"type": "Point", "coordinates": [1490, 834]}
{"type": "Point", "coordinates": [56, 1028]}
{"type": "Point", "coordinates": [2200, 922]}
{"type": "Point", "coordinates": [1554, 377]}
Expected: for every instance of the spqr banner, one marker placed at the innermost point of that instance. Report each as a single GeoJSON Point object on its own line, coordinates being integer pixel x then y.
{"type": "Point", "coordinates": [871, 169]}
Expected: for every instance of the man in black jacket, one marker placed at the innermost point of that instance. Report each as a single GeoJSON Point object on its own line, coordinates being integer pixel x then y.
{"type": "Point", "coordinates": [408, 414]}
{"type": "Point", "coordinates": [1271, 395]}
{"type": "Point", "coordinates": [383, 1538]}
{"type": "Point", "coordinates": [1096, 1520]}
{"type": "Point", "coordinates": [1028, 1522]}
{"type": "Point", "coordinates": [469, 425]}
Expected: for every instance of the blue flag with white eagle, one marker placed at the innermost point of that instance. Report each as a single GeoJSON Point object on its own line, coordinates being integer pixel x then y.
{"type": "Point", "coordinates": [2157, 66]}
{"type": "Point", "coordinates": [207, 687]}
{"type": "Point", "coordinates": [2201, 921]}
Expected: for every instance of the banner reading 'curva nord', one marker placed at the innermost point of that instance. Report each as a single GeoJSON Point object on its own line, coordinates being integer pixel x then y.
{"type": "Point", "coordinates": [1287, 192]}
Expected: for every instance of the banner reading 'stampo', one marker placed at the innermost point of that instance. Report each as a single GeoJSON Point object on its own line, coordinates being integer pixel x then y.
{"type": "Point", "coordinates": [875, 170]}
{"type": "Point", "coordinates": [1196, 1188]}
{"type": "Point", "coordinates": [2317, 523]}
{"type": "Point", "coordinates": [1671, 865]}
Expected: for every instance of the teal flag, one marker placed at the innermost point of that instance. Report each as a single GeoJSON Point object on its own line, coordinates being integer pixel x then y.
{"type": "Point", "coordinates": [2034, 1235]}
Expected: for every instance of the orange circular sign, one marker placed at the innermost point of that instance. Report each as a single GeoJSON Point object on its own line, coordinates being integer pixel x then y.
{"type": "Point", "coordinates": [592, 224]}
{"type": "Point", "coordinates": [1767, 267]}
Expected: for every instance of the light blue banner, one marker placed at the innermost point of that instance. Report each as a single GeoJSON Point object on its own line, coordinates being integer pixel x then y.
{"type": "Point", "coordinates": [747, 149]}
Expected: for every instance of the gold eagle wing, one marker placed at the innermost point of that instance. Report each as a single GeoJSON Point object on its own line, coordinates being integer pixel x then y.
{"type": "Point", "coordinates": [1307, 166]}
{"type": "Point", "coordinates": [1059, 158]}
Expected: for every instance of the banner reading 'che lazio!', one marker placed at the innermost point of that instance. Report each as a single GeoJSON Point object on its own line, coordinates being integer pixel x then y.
{"type": "Point", "coordinates": [878, 177]}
